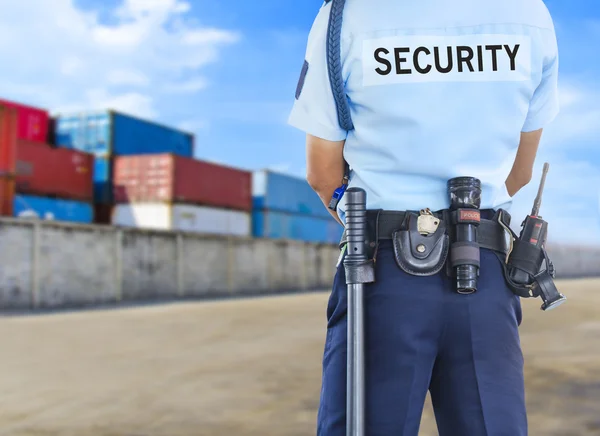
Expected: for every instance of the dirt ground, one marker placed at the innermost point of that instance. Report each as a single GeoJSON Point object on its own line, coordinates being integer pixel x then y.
{"type": "Point", "coordinates": [246, 368]}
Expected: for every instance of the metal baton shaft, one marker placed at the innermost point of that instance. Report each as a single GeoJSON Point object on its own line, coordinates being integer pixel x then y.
{"type": "Point", "coordinates": [356, 232]}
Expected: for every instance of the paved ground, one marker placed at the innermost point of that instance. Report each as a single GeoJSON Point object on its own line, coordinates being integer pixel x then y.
{"type": "Point", "coordinates": [246, 368]}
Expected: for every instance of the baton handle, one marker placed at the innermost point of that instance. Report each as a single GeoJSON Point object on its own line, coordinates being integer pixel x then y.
{"type": "Point", "coordinates": [356, 234]}
{"type": "Point", "coordinates": [356, 224]}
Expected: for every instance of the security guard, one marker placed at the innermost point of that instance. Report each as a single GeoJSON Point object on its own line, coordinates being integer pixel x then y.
{"type": "Point", "coordinates": [411, 95]}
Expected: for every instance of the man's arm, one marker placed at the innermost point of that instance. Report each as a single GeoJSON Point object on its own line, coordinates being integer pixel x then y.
{"type": "Point", "coordinates": [315, 113]}
{"type": "Point", "coordinates": [543, 108]}
{"type": "Point", "coordinates": [522, 169]}
{"type": "Point", "coordinates": [325, 168]}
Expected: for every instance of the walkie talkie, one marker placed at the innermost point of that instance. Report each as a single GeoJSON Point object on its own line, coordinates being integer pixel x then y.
{"type": "Point", "coordinates": [534, 229]}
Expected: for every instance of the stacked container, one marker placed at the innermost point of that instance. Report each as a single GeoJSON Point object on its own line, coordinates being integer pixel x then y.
{"type": "Point", "coordinates": [286, 207]}
{"type": "Point", "coordinates": [8, 144]}
{"type": "Point", "coordinates": [170, 192]}
{"type": "Point", "coordinates": [114, 168]}
{"type": "Point", "coordinates": [107, 134]}
{"type": "Point", "coordinates": [44, 177]}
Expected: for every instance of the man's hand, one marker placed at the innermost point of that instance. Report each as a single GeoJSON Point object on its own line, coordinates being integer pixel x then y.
{"type": "Point", "coordinates": [522, 169]}
{"type": "Point", "coordinates": [325, 168]}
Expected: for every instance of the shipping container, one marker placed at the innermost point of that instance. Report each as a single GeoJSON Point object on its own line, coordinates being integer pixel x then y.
{"type": "Point", "coordinates": [282, 225]}
{"type": "Point", "coordinates": [279, 192]}
{"type": "Point", "coordinates": [103, 186]}
{"type": "Point", "coordinates": [103, 213]}
{"type": "Point", "coordinates": [108, 133]}
{"type": "Point", "coordinates": [175, 179]}
{"type": "Point", "coordinates": [182, 217]}
{"type": "Point", "coordinates": [46, 171]}
{"type": "Point", "coordinates": [8, 141]}
{"type": "Point", "coordinates": [29, 206]}
{"type": "Point", "coordinates": [7, 195]}
{"type": "Point", "coordinates": [32, 123]}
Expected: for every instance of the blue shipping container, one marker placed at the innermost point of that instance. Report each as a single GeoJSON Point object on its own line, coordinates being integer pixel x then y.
{"type": "Point", "coordinates": [281, 225]}
{"type": "Point", "coordinates": [28, 206]}
{"type": "Point", "coordinates": [111, 133]}
{"type": "Point", "coordinates": [103, 185]}
{"type": "Point", "coordinates": [273, 191]}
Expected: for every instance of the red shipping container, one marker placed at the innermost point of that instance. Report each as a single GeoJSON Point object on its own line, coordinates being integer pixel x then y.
{"type": "Point", "coordinates": [8, 141]}
{"type": "Point", "coordinates": [32, 122]}
{"type": "Point", "coordinates": [61, 172]}
{"type": "Point", "coordinates": [8, 145]}
{"type": "Point", "coordinates": [176, 179]}
{"type": "Point", "coordinates": [7, 196]}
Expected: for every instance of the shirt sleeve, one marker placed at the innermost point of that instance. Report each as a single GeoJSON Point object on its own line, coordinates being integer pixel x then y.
{"type": "Point", "coordinates": [315, 110]}
{"type": "Point", "coordinates": [544, 105]}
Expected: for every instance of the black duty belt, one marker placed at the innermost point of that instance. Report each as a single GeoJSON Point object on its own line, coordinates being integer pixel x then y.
{"type": "Point", "coordinates": [381, 225]}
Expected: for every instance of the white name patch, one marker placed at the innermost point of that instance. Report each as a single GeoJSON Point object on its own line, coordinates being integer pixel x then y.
{"type": "Point", "coordinates": [468, 58]}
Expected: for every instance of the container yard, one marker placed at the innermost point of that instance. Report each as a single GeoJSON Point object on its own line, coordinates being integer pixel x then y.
{"type": "Point", "coordinates": [110, 168]}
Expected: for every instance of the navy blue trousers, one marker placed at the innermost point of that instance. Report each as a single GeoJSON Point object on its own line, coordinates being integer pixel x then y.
{"type": "Point", "coordinates": [422, 336]}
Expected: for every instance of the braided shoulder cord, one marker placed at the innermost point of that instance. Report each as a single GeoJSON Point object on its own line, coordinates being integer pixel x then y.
{"type": "Point", "coordinates": [334, 60]}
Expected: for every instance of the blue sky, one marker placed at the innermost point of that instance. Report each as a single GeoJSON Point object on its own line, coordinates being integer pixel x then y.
{"type": "Point", "coordinates": [227, 71]}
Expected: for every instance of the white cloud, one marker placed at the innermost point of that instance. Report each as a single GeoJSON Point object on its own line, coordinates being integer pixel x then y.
{"type": "Point", "coordinates": [569, 95]}
{"type": "Point", "coordinates": [71, 66]}
{"type": "Point", "coordinates": [63, 57]}
{"type": "Point", "coordinates": [579, 117]}
{"type": "Point", "coordinates": [127, 77]}
{"type": "Point", "coordinates": [256, 112]}
{"type": "Point", "coordinates": [181, 8]}
{"type": "Point", "coordinates": [131, 102]}
{"type": "Point", "coordinates": [187, 86]}
{"type": "Point", "coordinates": [203, 36]}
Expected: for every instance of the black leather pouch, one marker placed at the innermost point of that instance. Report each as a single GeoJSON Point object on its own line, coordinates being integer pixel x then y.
{"type": "Point", "coordinates": [417, 254]}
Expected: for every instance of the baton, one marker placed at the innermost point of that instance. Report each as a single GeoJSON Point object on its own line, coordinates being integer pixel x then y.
{"type": "Point", "coordinates": [357, 274]}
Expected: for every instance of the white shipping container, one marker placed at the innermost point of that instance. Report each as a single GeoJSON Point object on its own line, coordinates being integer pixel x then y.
{"type": "Point", "coordinates": [184, 217]}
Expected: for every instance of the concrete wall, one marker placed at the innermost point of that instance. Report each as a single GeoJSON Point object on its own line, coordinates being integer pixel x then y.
{"type": "Point", "coordinates": [51, 265]}
{"type": "Point", "coordinates": [575, 262]}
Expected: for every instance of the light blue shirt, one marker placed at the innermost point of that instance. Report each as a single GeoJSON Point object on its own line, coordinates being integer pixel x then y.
{"type": "Point", "coordinates": [421, 119]}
